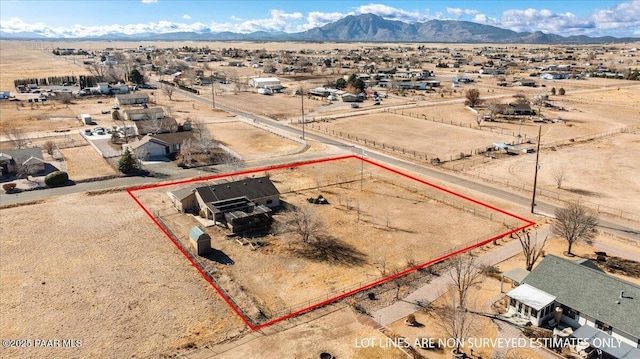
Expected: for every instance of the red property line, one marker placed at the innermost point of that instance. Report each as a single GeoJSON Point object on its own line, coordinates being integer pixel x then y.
{"type": "Point", "coordinates": [346, 294]}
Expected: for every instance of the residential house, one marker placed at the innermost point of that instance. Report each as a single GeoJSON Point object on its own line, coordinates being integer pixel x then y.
{"type": "Point", "coordinates": [520, 109]}
{"type": "Point", "coordinates": [157, 145]}
{"type": "Point", "coordinates": [132, 99]}
{"type": "Point", "coordinates": [243, 206]}
{"type": "Point", "coordinates": [21, 161]}
{"type": "Point", "coordinates": [138, 114]}
{"type": "Point", "coordinates": [272, 83]}
{"type": "Point", "coordinates": [580, 296]}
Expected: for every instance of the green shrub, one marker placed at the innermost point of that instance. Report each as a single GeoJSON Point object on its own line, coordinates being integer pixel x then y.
{"type": "Point", "coordinates": [56, 178]}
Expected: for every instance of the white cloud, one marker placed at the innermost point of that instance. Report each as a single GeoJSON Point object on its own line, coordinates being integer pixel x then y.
{"type": "Point", "coordinates": [149, 1]}
{"type": "Point", "coordinates": [623, 15]}
{"type": "Point", "coordinates": [456, 12]}
{"type": "Point", "coordinates": [391, 13]}
{"type": "Point", "coordinates": [620, 20]}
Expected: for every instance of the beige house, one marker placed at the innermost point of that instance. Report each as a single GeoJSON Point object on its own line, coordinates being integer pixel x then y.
{"type": "Point", "coordinates": [132, 99]}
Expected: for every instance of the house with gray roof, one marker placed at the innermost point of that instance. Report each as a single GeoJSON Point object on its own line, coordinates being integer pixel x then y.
{"type": "Point", "coordinates": [578, 294]}
{"type": "Point", "coordinates": [243, 206]}
{"type": "Point", "coordinates": [21, 161]}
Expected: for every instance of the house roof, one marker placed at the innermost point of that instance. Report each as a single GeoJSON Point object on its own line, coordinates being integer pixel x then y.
{"type": "Point", "coordinates": [23, 154]}
{"type": "Point", "coordinates": [252, 188]}
{"type": "Point", "coordinates": [605, 342]}
{"type": "Point", "coordinates": [589, 291]}
{"type": "Point", "coordinates": [133, 96]}
{"type": "Point", "coordinates": [174, 138]}
{"type": "Point", "coordinates": [516, 274]}
{"type": "Point", "coordinates": [533, 297]}
{"type": "Point", "coordinates": [198, 234]}
{"type": "Point", "coordinates": [143, 111]}
{"type": "Point", "coordinates": [151, 126]}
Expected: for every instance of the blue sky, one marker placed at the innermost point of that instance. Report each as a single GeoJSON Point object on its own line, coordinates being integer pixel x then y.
{"type": "Point", "coordinates": [78, 18]}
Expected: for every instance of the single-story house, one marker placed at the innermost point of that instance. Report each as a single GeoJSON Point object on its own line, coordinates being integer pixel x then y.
{"type": "Point", "coordinates": [132, 99]}
{"type": "Point", "coordinates": [521, 109]}
{"type": "Point", "coordinates": [137, 114]}
{"type": "Point", "coordinates": [162, 125]}
{"type": "Point", "coordinates": [350, 97]}
{"type": "Point", "coordinates": [21, 161]}
{"type": "Point", "coordinates": [577, 294]}
{"type": "Point", "coordinates": [242, 206]}
{"type": "Point", "coordinates": [161, 144]}
{"type": "Point", "coordinates": [200, 240]}
{"type": "Point", "coordinates": [266, 82]}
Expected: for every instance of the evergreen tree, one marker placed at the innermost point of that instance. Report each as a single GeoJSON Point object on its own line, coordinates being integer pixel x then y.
{"type": "Point", "coordinates": [136, 77]}
{"type": "Point", "coordinates": [127, 162]}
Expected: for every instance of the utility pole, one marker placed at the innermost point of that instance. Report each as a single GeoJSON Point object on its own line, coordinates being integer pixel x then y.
{"type": "Point", "coordinates": [213, 91]}
{"type": "Point", "coordinates": [535, 177]}
{"type": "Point", "coordinates": [302, 99]}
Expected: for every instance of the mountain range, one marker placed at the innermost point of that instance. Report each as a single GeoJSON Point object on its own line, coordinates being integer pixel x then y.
{"type": "Point", "coordinates": [363, 28]}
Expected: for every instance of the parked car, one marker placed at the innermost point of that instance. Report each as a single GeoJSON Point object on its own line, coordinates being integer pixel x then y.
{"type": "Point", "coordinates": [355, 105]}
{"type": "Point", "coordinates": [115, 107]}
{"type": "Point", "coordinates": [105, 112]}
{"type": "Point", "coordinates": [99, 131]}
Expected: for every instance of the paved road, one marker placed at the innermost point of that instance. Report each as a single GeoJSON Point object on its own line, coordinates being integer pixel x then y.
{"type": "Point", "coordinates": [543, 208]}
{"type": "Point", "coordinates": [631, 230]}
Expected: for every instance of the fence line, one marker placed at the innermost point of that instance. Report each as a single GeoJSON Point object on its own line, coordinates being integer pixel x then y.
{"type": "Point", "coordinates": [325, 299]}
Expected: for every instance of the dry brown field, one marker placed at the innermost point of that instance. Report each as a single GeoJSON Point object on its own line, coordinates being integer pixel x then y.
{"type": "Point", "coordinates": [24, 59]}
{"type": "Point", "coordinates": [97, 270]}
{"type": "Point", "coordinates": [84, 162]}
{"type": "Point", "coordinates": [415, 134]}
{"type": "Point", "coordinates": [372, 241]}
{"type": "Point", "coordinates": [602, 172]}
{"type": "Point", "coordinates": [248, 140]}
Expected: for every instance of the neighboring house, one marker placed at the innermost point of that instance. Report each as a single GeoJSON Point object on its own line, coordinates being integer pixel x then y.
{"type": "Point", "coordinates": [525, 82]}
{"type": "Point", "coordinates": [25, 160]}
{"type": "Point", "coordinates": [521, 109]}
{"type": "Point", "coordinates": [163, 144]}
{"type": "Point", "coordinates": [266, 82]}
{"type": "Point", "coordinates": [350, 97]}
{"type": "Point", "coordinates": [553, 76]}
{"type": "Point", "coordinates": [132, 99]}
{"type": "Point", "coordinates": [243, 206]}
{"type": "Point", "coordinates": [137, 114]}
{"type": "Point", "coordinates": [579, 295]}
{"type": "Point", "coordinates": [162, 125]}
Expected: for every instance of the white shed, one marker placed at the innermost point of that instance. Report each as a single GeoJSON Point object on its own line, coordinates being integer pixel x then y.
{"type": "Point", "coordinates": [266, 82]}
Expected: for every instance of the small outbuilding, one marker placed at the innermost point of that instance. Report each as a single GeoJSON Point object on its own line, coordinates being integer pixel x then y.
{"type": "Point", "coordinates": [200, 240]}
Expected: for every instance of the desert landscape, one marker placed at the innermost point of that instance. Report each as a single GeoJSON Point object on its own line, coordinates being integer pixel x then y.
{"type": "Point", "coordinates": [85, 265]}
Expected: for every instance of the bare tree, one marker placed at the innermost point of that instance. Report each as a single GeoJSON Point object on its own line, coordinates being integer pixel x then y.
{"type": "Point", "coordinates": [530, 247]}
{"type": "Point", "coordinates": [97, 70]}
{"type": "Point", "coordinates": [304, 222]}
{"type": "Point", "coordinates": [472, 98]}
{"type": "Point", "coordinates": [465, 274]}
{"type": "Point", "coordinates": [494, 109]}
{"type": "Point", "coordinates": [17, 136]}
{"type": "Point", "coordinates": [186, 152]}
{"type": "Point", "coordinates": [204, 139]}
{"type": "Point", "coordinates": [454, 320]}
{"type": "Point", "coordinates": [574, 223]}
{"type": "Point", "coordinates": [168, 90]}
{"type": "Point", "coordinates": [521, 98]}
{"type": "Point", "coordinates": [64, 97]}
{"type": "Point", "coordinates": [559, 175]}
{"type": "Point", "coordinates": [49, 147]}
